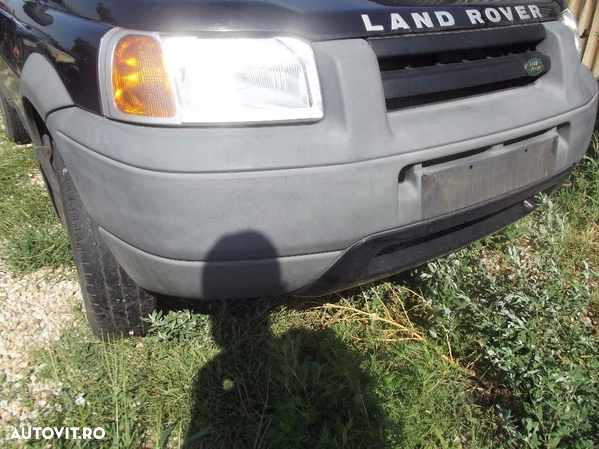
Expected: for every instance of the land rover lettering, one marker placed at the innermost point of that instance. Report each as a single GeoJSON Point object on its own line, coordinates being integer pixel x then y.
{"type": "Point", "coordinates": [502, 15]}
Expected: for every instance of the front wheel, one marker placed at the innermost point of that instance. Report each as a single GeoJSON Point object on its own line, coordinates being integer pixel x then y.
{"type": "Point", "coordinates": [114, 303]}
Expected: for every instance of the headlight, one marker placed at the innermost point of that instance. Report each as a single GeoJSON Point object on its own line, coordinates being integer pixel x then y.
{"type": "Point", "coordinates": [568, 19]}
{"type": "Point", "coordinates": [160, 79]}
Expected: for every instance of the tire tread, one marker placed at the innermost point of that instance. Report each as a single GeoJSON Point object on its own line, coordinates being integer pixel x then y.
{"type": "Point", "coordinates": [13, 128]}
{"type": "Point", "coordinates": [114, 303]}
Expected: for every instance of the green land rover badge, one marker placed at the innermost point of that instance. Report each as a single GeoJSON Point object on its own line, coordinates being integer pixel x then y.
{"type": "Point", "coordinates": [533, 67]}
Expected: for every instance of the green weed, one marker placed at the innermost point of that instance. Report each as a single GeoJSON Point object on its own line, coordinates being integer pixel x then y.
{"type": "Point", "coordinates": [31, 235]}
{"type": "Point", "coordinates": [268, 375]}
{"type": "Point", "coordinates": [520, 310]}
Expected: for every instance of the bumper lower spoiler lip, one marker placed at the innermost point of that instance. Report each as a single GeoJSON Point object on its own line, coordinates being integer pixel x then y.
{"type": "Point", "coordinates": [391, 252]}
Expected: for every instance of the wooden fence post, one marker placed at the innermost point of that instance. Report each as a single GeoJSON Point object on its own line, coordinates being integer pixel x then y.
{"type": "Point", "coordinates": [587, 14]}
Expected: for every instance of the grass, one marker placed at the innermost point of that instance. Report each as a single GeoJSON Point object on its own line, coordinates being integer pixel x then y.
{"type": "Point", "coordinates": [30, 234]}
{"type": "Point", "coordinates": [496, 345]}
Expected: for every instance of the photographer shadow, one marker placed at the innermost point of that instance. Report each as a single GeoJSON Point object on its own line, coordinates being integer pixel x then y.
{"type": "Point", "coordinates": [274, 387]}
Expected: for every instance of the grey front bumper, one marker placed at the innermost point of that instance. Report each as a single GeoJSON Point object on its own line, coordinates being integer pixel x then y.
{"type": "Point", "coordinates": [280, 204]}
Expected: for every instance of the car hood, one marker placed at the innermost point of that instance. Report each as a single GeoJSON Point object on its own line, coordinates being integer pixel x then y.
{"type": "Point", "coordinates": [315, 19]}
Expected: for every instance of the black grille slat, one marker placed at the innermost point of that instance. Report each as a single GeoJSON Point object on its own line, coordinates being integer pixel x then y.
{"type": "Point", "coordinates": [448, 77]}
{"type": "Point", "coordinates": [457, 41]}
{"type": "Point", "coordinates": [424, 69]}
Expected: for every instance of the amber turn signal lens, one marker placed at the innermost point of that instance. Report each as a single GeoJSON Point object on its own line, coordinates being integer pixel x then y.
{"type": "Point", "coordinates": [140, 80]}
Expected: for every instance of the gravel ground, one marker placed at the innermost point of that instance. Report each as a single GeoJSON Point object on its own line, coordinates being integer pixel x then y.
{"type": "Point", "coordinates": [35, 309]}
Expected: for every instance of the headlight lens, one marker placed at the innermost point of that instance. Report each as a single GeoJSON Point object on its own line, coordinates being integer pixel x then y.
{"type": "Point", "coordinates": [152, 78]}
{"type": "Point", "coordinates": [568, 19]}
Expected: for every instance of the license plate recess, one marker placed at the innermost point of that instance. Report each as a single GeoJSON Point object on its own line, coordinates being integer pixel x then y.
{"type": "Point", "coordinates": [454, 185]}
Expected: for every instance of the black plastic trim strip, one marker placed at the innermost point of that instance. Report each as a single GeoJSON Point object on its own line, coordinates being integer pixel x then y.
{"type": "Point", "coordinates": [456, 41]}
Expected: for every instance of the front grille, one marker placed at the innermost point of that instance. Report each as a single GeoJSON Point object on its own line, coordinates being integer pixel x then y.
{"type": "Point", "coordinates": [423, 69]}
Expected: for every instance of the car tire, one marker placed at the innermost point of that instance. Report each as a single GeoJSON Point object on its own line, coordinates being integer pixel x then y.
{"type": "Point", "coordinates": [13, 128]}
{"type": "Point", "coordinates": [115, 305]}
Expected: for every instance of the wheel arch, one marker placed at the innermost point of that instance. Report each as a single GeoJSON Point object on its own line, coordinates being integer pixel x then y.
{"type": "Point", "coordinates": [42, 92]}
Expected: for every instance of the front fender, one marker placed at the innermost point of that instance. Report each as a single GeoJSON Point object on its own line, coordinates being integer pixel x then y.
{"type": "Point", "coordinates": [42, 88]}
